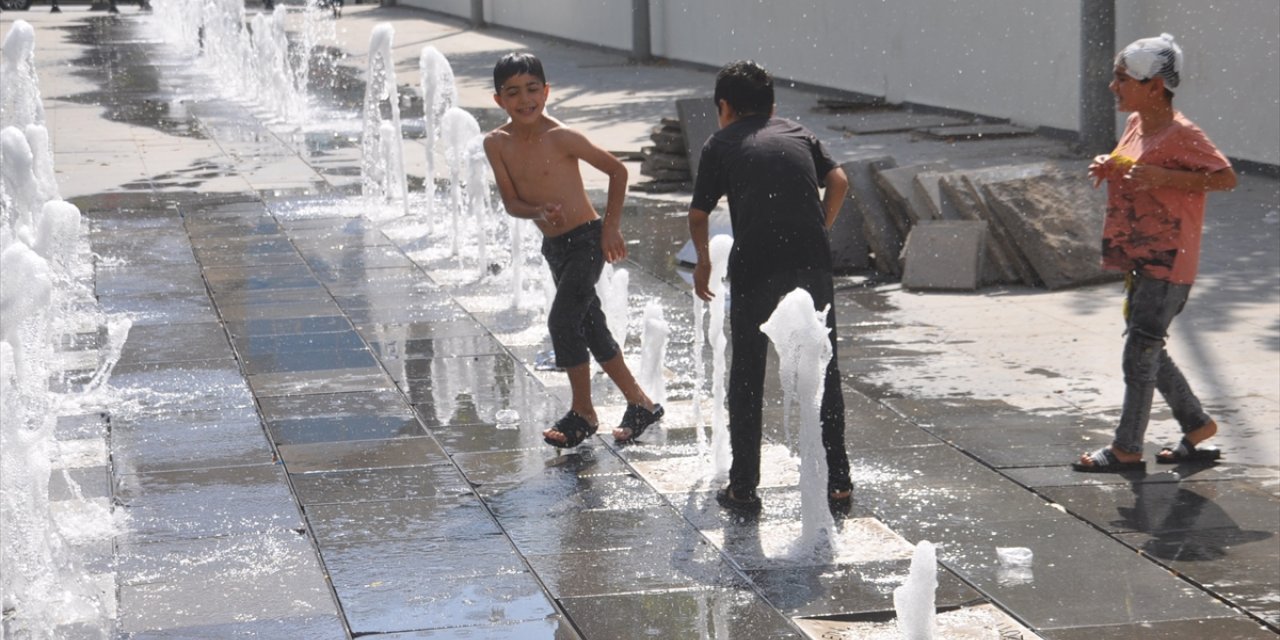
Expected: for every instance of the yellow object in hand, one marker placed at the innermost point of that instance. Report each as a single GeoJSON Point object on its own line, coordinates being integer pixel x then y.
{"type": "Point", "coordinates": [1122, 162]}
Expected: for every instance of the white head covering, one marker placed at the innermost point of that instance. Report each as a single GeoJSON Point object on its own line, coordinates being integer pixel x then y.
{"type": "Point", "coordinates": [1151, 57]}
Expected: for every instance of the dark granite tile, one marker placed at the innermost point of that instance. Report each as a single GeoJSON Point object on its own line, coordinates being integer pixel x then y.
{"type": "Point", "coordinates": [232, 279]}
{"type": "Point", "coordinates": [1067, 557]}
{"type": "Point", "coordinates": [356, 403]}
{"type": "Point", "coordinates": [692, 565]}
{"type": "Point", "coordinates": [553, 627]}
{"type": "Point", "coordinates": [312, 627]}
{"type": "Point", "coordinates": [360, 454]}
{"type": "Point", "coordinates": [195, 385]}
{"type": "Point", "coordinates": [446, 518]}
{"type": "Point", "coordinates": [277, 310]}
{"type": "Point", "coordinates": [481, 438]}
{"type": "Point", "coordinates": [1223, 628]}
{"type": "Point", "coordinates": [724, 612]}
{"type": "Point", "coordinates": [249, 346]}
{"type": "Point", "coordinates": [368, 378]}
{"type": "Point", "coordinates": [232, 500]}
{"type": "Point", "coordinates": [133, 280]}
{"type": "Point", "coordinates": [1166, 507]}
{"type": "Point", "coordinates": [291, 326]}
{"type": "Point", "coordinates": [437, 480]}
{"type": "Point", "coordinates": [265, 580]}
{"type": "Point", "coordinates": [574, 531]}
{"type": "Point", "coordinates": [343, 428]}
{"type": "Point", "coordinates": [1240, 565]}
{"type": "Point", "coordinates": [175, 342]}
{"type": "Point", "coordinates": [414, 599]}
{"type": "Point", "coordinates": [539, 469]}
{"type": "Point", "coordinates": [293, 361]}
{"type": "Point", "coordinates": [190, 440]}
{"type": "Point", "coordinates": [849, 589]}
{"type": "Point", "coordinates": [162, 309]}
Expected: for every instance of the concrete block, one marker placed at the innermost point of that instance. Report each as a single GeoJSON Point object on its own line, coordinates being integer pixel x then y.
{"type": "Point", "coordinates": [980, 131]}
{"type": "Point", "coordinates": [698, 120]}
{"type": "Point", "coordinates": [944, 254]}
{"type": "Point", "coordinates": [849, 248]}
{"type": "Point", "coordinates": [883, 237]}
{"type": "Point", "coordinates": [894, 121]}
{"type": "Point", "coordinates": [898, 185]}
{"type": "Point", "coordinates": [1056, 219]}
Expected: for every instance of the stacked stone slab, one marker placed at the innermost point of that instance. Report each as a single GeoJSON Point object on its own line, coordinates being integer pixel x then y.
{"type": "Point", "coordinates": [944, 255]}
{"type": "Point", "coordinates": [698, 120]}
{"type": "Point", "coordinates": [882, 235]}
{"type": "Point", "coordinates": [666, 161]}
{"type": "Point", "coordinates": [1056, 219]}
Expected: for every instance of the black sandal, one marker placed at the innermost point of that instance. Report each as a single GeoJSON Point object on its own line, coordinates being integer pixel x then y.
{"type": "Point", "coordinates": [636, 419]}
{"type": "Point", "coordinates": [575, 429]}
{"type": "Point", "coordinates": [749, 505]}
{"type": "Point", "coordinates": [1184, 451]}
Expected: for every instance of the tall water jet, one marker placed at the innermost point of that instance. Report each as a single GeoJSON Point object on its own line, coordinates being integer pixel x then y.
{"type": "Point", "coordinates": [479, 179]}
{"type": "Point", "coordinates": [699, 371]}
{"type": "Point", "coordinates": [914, 601]}
{"type": "Point", "coordinates": [719, 249]}
{"type": "Point", "coordinates": [612, 290]}
{"type": "Point", "coordinates": [516, 228]}
{"type": "Point", "coordinates": [803, 343]}
{"type": "Point", "coordinates": [20, 103]}
{"type": "Point", "coordinates": [653, 352]}
{"type": "Point", "coordinates": [457, 128]}
{"type": "Point", "coordinates": [439, 94]}
{"type": "Point", "coordinates": [382, 150]}
{"type": "Point", "coordinates": [277, 80]}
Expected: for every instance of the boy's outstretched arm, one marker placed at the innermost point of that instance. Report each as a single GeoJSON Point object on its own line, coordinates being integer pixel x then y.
{"type": "Point", "coordinates": [579, 146]}
{"type": "Point", "coordinates": [699, 232]}
{"type": "Point", "coordinates": [833, 197]}
{"type": "Point", "coordinates": [548, 213]}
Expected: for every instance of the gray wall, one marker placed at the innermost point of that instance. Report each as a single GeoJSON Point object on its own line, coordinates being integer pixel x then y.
{"type": "Point", "coordinates": [1015, 59]}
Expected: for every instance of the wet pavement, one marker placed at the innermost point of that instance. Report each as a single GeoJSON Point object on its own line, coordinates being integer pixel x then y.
{"type": "Point", "coordinates": [309, 446]}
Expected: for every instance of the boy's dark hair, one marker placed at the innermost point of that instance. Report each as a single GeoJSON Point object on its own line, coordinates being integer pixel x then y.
{"type": "Point", "coordinates": [746, 86]}
{"type": "Point", "coordinates": [514, 64]}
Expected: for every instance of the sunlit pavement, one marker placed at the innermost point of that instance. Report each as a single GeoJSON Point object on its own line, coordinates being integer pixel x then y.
{"type": "Point", "coordinates": [334, 467]}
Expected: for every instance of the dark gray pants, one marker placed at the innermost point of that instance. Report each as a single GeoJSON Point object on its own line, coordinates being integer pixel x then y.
{"type": "Point", "coordinates": [1151, 306]}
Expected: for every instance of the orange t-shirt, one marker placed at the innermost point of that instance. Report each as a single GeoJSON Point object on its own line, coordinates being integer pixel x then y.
{"type": "Point", "coordinates": [1156, 232]}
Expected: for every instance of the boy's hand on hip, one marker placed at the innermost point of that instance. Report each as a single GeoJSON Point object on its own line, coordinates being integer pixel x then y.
{"type": "Point", "coordinates": [615, 248]}
{"type": "Point", "coordinates": [702, 281]}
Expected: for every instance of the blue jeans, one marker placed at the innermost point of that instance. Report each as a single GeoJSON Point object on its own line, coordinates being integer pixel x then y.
{"type": "Point", "coordinates": [1151, 306]}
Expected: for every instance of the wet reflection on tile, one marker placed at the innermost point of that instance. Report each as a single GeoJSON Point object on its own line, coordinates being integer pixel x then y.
{"type": "Point", "coordinates": [288, 326]}
{"type": "Point", "coordinates": [340, 428]}
{"type": "Point", "coordinates": [313, 627]}
{"type": "Point", "coordinates": [715, 614]}
{"type": "Point", "coordinates": [232, 500]}
{"type": "Point", "coordinates": [361, 454]}
{"type": "Point", "coordinates": [165, 585]}
{"type": "Point", "coordinates": [539, 469]}
{"type": "Point", "coordinates": [369, 378]}
{"type": "Point", "coordinates": [199, 384]}
{"type": "Point", "coordinates": [391, 348]}
{"type": "Point", "coordinates": [277, 310]}
{"type": "Point", "coordinates": [437, 480]}
{"type": "Point", "coordinates": [573, 531]}
{"type": "Point", "coordinates": [471, 390]}
{"type": "Point", "coordinates": [297, 361]}
{"type": "Point", "coordinates": [161, 309]}
{"type": "Point", "coordinates": [849, 589]}
{"type": "Point", "coordinates": [189, 440]}
{"type": "Point", "coordinates": [448, 518]}
{"type": "Point", "coordinates": [175, 342]}
{"type": "Point", "coordinates": [553, 627]}
{"type": "Point", "coordinates": [258, 345]}
{"type": "Point", "coordinates": [694, 564]}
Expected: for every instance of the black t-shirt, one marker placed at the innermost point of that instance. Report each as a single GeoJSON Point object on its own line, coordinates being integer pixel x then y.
{"type": "Point", "coordinates": [771, 169]}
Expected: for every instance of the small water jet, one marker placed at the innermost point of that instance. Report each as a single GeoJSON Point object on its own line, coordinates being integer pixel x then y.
{"type": "Point", "coordinates": [914, 600]}
{"type": "Point", "coordinates": [803, 343]}
{"type": "Point", "coordinates": [479, 181]}
{"type": "Point", "coordinates": [457, 128]}
{"type": "Point", "coordinates": [720, 247]}
{"type": "Point", "coordinates": [439, 94]}
{"type": "Point", "coordinates": [653, 352]}
{"type": "Point", "coordinates": [383, 179]}
{"type": "Point", "coordinates": [612, 291]}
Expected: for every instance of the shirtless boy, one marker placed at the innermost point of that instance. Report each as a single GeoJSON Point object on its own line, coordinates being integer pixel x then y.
{"type": "Point", "coordinates": [535, 164]}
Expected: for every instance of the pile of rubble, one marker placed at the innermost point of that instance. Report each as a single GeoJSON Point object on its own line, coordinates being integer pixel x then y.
{"type": "Point", "coordinates": [666, 162]}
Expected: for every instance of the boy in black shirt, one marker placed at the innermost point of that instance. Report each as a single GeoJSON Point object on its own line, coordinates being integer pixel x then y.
{"type": "Point", "coordinates": [771, 169]}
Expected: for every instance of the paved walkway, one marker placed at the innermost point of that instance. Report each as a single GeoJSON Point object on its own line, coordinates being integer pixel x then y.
{"type": "Point", "coordinates": [311, 450]}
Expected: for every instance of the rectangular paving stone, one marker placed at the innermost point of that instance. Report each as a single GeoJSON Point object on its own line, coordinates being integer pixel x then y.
{"type": "Point", "coordinates": [305, 361]}
{"type": "Point", "coordinates": [132, 280]}
{"type": "Point", "coordinates": [289, 326]}
{"type": "Point", "coordinates": [849, 589]}
{"type": "Point", "coordinates": [263, 580]}
{"type": "Point", "coordinates": [163, 309]}
{"type": "Point", "coordinates": [553, 627]}
{"type": "Point", "coordinates": [1237, 628]}
{"type": "Point", "coordinates": [1165, 509]}
{"type": "Point", "coordinates": [435, 480]}
{"type": "Point", "coordinates": [732, 612]}
{"type": "Point", "coordinates": [444, 518]}
{"type": "Point", "coordinates": [231, 500]}
{"type": "Point", "coordinates": [694, 565]}
{"type": "Point", "coordinates": [944, 254]}
{"type": "Point", "coordinates": [200, 384]}
{"type": "Point", "coordinates": [175, 342]}
{"type": "Point", "coordinates": [367, 378]}
{"type": "Point", "coordinates": [256, 345]}
{"type": "Point", "coordinates": [360, 454]}
{"type": "Point", "coordinates": [323, 307]}
{"type": "Point", "coordinates": [190, 440]}
{"type": "Point", "coordinates": [597, 530]}
{"type": "Point", "coordinates": [532, 468]}
{"type": "Point", "coordinates": [883, 237]}
{"type": "Point", "coordinates": [343, 428]}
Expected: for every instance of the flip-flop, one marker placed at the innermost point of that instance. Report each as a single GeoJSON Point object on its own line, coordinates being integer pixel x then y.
{"type": "Point", "coordinates": [1184, 451]}
{"type": "Point", "coordinates": [1105, 461]}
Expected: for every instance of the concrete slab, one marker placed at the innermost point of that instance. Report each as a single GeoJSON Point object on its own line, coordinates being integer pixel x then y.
{"type": "Point", "coordinates": [698, 119]}
{"type": "Point", "coordinates": [883, 237]}
{"type": "Point", "coordinates": [944, 254]}
{"type": "Point", "coordinates": [1056, 219]}
{"type": "Point", "coordinates": [980, 131]}
{"type": "Point", "coordinates": [869, 122]}
{"type": "Point", "coordinates": [849, 248]}
{"type": "Point", "coordinates": [898, 185]}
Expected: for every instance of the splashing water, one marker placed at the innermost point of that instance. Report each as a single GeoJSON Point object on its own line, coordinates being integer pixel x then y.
{"type": "Point", "coordinates": [439, 94]}
{"type": "Point", "coordinates": [382, 151]}
{"type": "Point", "coordinates": [803, 344]}
{"type": "Point", "coordinates": [914, 600]}
{"type": "Point", "coordinates": [699, 371]}
{"type": "Point", "coordinates": [20, 103]}
{"type": "Point", "coordinates": [457, 128]}
{"type": "Point", "coordinates": [653, 352]}
{"type": "Point", "coordinates": [479, 179]}
{"type": "Point", "coordinates": [612, 290]}
{"type": "Point", "coordinates": [720, 247]}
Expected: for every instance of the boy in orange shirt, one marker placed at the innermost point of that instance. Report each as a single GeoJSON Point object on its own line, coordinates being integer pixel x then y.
{"type": "Point", "coordinates": [1157, 179]}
